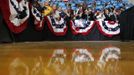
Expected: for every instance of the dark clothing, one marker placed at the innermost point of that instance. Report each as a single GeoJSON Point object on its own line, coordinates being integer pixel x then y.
{"type": "Point", "coordinates": [91, 16]}
{"type": "Point", "coordinates": [113, 18]}
{"type": "Point", "coordinates": [107, 18]}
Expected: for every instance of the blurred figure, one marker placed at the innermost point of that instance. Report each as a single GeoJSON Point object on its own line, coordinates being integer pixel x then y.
{"type": "Point", "coordinates": [37, 5]}
{"type": "Point", "coordinates": [106, 14]}
{"type": "Point", "coordinates": [90, 14]}
{"type": "Point", "coordinates": [79, 9]}
{"type": "Point", "coordinates": [99, 15]}
{"type": "Point", "coordinates": [47, 9]}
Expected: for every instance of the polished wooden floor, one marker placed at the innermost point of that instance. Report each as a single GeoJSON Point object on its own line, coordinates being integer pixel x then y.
{"type": "Point", "coordinates": [67, 58]}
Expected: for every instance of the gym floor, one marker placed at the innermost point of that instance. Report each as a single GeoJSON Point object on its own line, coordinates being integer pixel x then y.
{"type": "Point", "coordinates": [67, 58]}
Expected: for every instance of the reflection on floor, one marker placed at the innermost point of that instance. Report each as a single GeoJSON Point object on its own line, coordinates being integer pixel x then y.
{"type": "Point", "coordinates": [67, 58]}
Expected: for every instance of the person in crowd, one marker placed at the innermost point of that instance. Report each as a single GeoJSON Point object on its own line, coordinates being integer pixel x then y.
{"type": "Point", "coordinates": [37, 5]}
{"type": "Point", "coordinates": [99, 15]}
{"type": "Point", "coordinates": [79, 12]}
{"type": "Point", "coordinates": [78, 9]}
{"type": "Point", "coordinates": [70, 12]}
{"type": "Point", "coordinates": [47, 9]}
{"type": "Point", "coordinates": [90, 14]}
{"type": "Point", "coordinates": [106, 14]}
{"type": "Point", "coordinates": [112, 14]}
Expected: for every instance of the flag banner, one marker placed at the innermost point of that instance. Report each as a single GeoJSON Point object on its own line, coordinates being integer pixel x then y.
{"type": "Point", "coordinates": [82, 15]}
{"type": "Point", "coordinates": [38, 18]}
{"type": "Point", "coordinates": [59, 56]}
{"type": "Point", "coordinates": [108, 28]}
{"type": "Point", "coordinates": [108, 54]}
{"type": "Point", "coordinates": [16, 14]}
{"type": "Point", "coordinates": [81, 26]}
{"type": "Point", "coordinates": [58, 27]}
{"type": "Point", "coordinates": [82, 55]}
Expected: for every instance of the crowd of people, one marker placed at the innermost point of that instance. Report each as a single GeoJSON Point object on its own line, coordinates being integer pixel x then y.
{"type": "Point", "coordinates": [82, 9]}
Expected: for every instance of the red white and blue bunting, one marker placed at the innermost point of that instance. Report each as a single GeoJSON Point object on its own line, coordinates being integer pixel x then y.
{"type": "Point", "coordinates": [16, 14]}
{"type": "Point", "coordinates": [59, 28]}
{"type": "Point", "coordinates": [81, 26]}
{"type": "Point", "coordinates": [107, 54]}
{"type": "Point", "coordinates": [82, 55]}
{"type": "Point", "coordinates": [108, 28]}
{"type": "Point", "coordinates": [110, 53]}
{"type": "Point", "coordinates": [58, 55]}
{"type": "Point", "coordinates": [39, 19]}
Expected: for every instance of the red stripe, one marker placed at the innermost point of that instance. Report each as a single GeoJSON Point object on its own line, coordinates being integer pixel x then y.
{"type": "Point", "coordinates": [83, 33]}
{"type": "Point", "coordinates": [51, 29]}
{"type": "Point", "coordinates": [6, 14]}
